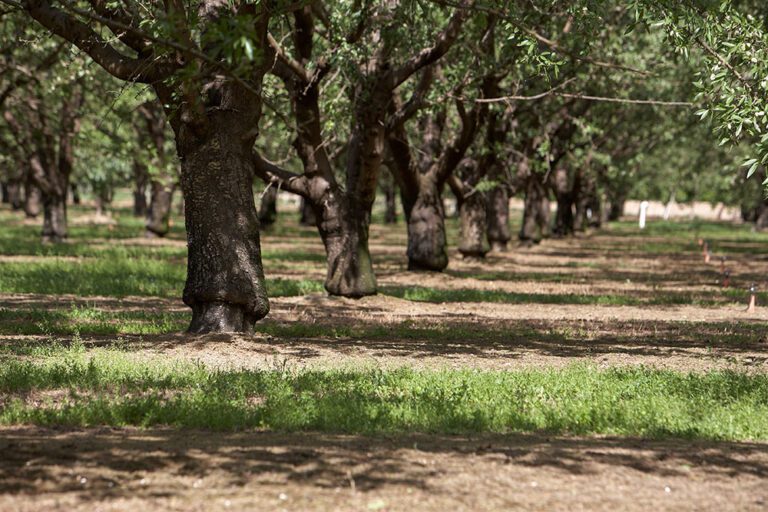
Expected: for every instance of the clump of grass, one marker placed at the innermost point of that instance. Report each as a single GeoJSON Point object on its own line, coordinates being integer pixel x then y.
{"type": "Point", "coordinates": [109, 387]}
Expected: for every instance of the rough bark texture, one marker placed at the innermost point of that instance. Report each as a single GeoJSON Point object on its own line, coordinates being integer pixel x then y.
{"type": "Point", "coordinates": [268, 206]}
{"type": "Point", "coordinates": [499, 234]}
{"type": "Point", "coordinates": [159, 212]}
{"type": "Point", "coordinates": [426, 228]}
{"type": "Point", "coordinates": [345, 235]}
{"type": "Point", "coordinates": [225, 280]}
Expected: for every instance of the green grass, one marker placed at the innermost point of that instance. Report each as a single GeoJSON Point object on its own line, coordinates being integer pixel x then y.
{"type": "Point", "coordinates": [116, 277]}
{"type": "Point", "coordinates": [108, 387]}
{"type": "Point", "coordinates": [426, 294]}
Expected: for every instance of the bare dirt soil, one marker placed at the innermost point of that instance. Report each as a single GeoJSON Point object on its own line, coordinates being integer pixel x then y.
{"type": "Point", "coordinates": [127, 470]}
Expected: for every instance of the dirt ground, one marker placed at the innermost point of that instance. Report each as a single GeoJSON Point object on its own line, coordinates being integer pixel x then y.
{"type": "Point", "coordinates": [129, 469]}
{"type": "Point", "coordinates": [126, 470]}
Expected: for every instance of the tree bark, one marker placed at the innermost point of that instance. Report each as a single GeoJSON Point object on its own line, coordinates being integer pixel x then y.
{"type": "Point", "coordinates": [390, 198]}
{"type": "Point", "coordinates": [498, 219]}
{"type": "Point", "coordinates": [225, 279]}
{"type": "Point", "coordinates": [426, 227]}
{"type": "Point", "coordinates": [55, 217]}
{"type": "Point", "coordinates": [33, 198]}
{"type": "Point", "coordinates": [473, 219]}
{"type": "Point", "coordinates": [344, 231]}
{"type": "Point", "coordinates": [268, 206]}
{"type": "Point", "coordinates": [564, 216]}
{"type": "Point", "coordinates": [140, 175]}
{"type": "Point", "coordinates": [307, 215]}
{"type": "Point", "coordinates": [159, 212]}
{"type": "Point", "coordinates": [535, 225]}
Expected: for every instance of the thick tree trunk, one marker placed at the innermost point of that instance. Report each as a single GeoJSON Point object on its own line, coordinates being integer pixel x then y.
{"type": "Point", "coordinates": [225, 279]}
{"type": "Point", "coordinates": [140, 176]}
{"type": "Point", "coordinates": [159, 212]}
{"type": "Point", "coordinates": [307, 216]}
{"type": "Point", "coordinates": [268, 206]}
{"type": "Point", "coordinates": [498, 219]}
{"type": "Point", "coordinates": [55, 217]}
{"type": "Point", "coordinates": [33, 199]}
{"type": "Point", "coordinates": [473, 218]}
{"type": "Point", "coordinates": [344, 231]}
{"type": "Point", "coordinates": [426, 228]}
{"type": "Point", "coordinates": [535, 225]}
{"type": "Point", "coordinates": [4, 191]}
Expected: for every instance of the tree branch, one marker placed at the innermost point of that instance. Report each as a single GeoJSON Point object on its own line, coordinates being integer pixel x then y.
{"type": "Point", "coordinates": [442, 44]}
{"type": "Point", "coordinates": [146, 70]}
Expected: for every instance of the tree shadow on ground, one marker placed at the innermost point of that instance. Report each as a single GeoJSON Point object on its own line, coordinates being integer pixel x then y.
{"type": "Point", "coordinates": [109, 463]}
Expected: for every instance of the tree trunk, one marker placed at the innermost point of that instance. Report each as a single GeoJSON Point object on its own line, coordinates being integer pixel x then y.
{"type": "Point", "coordinates": [33, 198]}
{"type": "Point", "coordinates": [535, 212]}
{"type": "Point", "coordinates": [268, 206]}
{"type": "Point", "coordinates": [14, 196]}
{"type": "Point", "coordinates": [473, 218]}
{"type": "Point", "coordinates": [225, 279]}
{"type": "Point", "coordinates": [498, 219]}
{"type": "Point", "coordinates": [616, 207]}
{"type": "Point", "coordinates": [140, 175]}
{"type": "Point", "coordinates": [307, 215]}
{"type": "Point", "coordinates": [74, 190]}
{"type": "Point", "coordinates": [55, 217]}
{"type": "Point", "coordinates": [761, 218]}
{"type": "Point", "coordinates": [344, 231]}
{"type": "Point", "coordinates": [426, 228]}
{"type": "Point", "coordinates": [159, 212]}
{"type": "Point", "coordinates": [390, 214]}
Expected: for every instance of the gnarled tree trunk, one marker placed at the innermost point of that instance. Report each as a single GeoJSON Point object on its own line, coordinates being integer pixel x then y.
{"type": "Point", "coordinates": [344, 231]}
{"type": "Point", "coordinates": [426, 227]}
{"type": "Point", "coordinates": [225, 279]}
{"type": "Point", "coordinates": [498, 219]}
